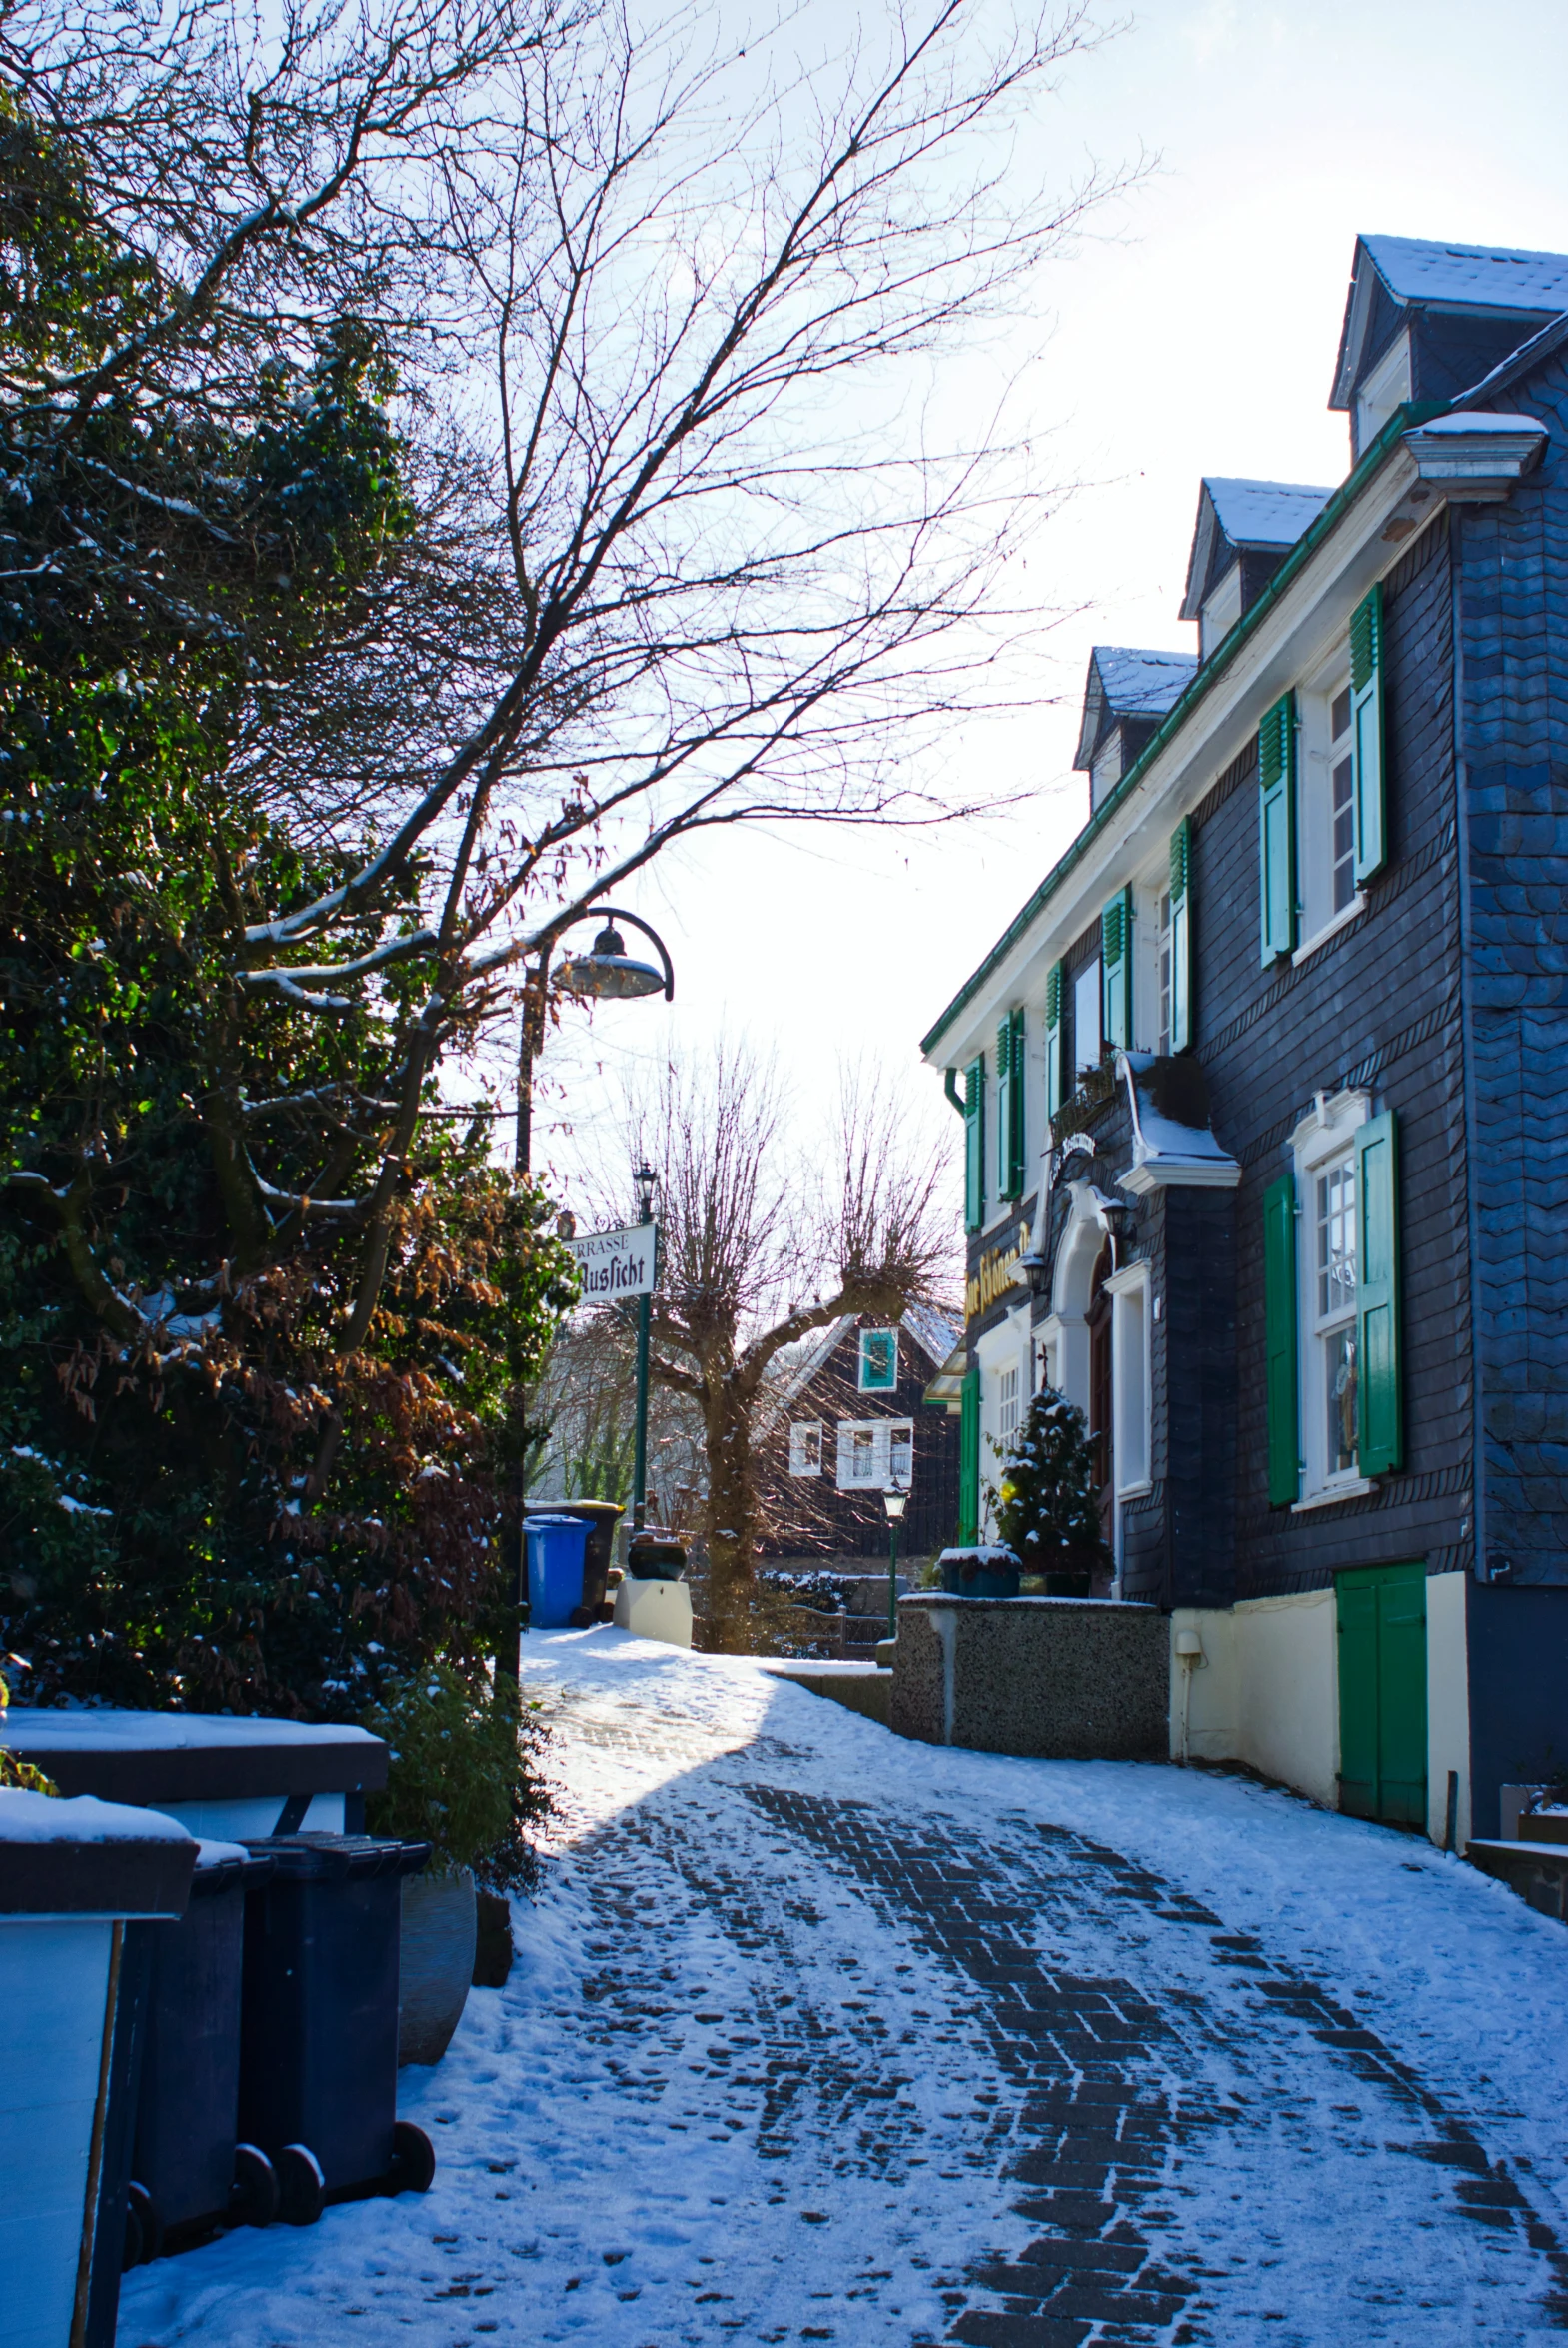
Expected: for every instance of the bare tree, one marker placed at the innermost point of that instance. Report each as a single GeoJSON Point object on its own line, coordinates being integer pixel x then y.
{"type": "Point", "coordinates": [763, 1241]}
{"type": "Point", "coordinates": [655, 300]}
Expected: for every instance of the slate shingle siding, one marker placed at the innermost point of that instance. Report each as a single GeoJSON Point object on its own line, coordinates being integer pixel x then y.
{"type": "Point", "coordinates": [1512, 566]}
{"type": "Point", "coordinates": [1378, 1004]}
{"type": "Point", "coordinates": [809, 1516]}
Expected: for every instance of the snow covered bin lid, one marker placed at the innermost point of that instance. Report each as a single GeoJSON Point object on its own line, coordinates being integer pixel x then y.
{"type": "Point", "coordinates": [190, 1757]}
{"type": "Point", "coordinates": [90, 1859]}
{"type": "Point", "coordinates": [307, 1858]}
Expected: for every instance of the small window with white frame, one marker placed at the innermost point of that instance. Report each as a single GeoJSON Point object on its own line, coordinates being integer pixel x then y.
{"type": "Point", "coordinates": [1329, 1254]}
{"type": "Point", "coordinates": [806, 1446]}
{"type": "Point", "coordinates": [879, 1372]}
{"type": "Point", "coordinates": [1008, 1406]}
{"type": "Point", "coordinates": [1325, 815]}
{"type": "Point", "coordinates": [1131, 1381]}
{"type": "Point", "coordinates": [1088, 994]}
{"type": "Point", "coordinates": [1163, 933]}
{"type": "Point", "coordinates": [873, 1453]}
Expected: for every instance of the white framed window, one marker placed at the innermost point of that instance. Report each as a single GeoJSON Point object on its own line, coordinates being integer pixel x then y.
{"type": "Point", "coordinates": [1386, 385]}
{"type": "Point", "coordinates": [806, 1446]}
{"type": "Point", "coordinates": [1163, 965]}
{"type": "Point", "coordinates": [1088, 994]}
{"type": "Point", "coordinates": [1327, 1259]}
{"type": "Point", "coordinates": [1008, 1407]}
{"type": "Point", "coordinates": [879, 1371]}
{"type": "Point", "coordinates": [1222, 612]}
{"type": "Point", "coordinates": [1131, 1381]}
{"type": "Point", "coordinates": [875, 1453]}
{"type": "Point", "coordinates": [1325, 812]}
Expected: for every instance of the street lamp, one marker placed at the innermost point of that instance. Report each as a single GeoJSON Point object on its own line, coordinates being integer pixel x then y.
{"type": "Point", "coordinates": [605, 971]}
{"type": "Point", "coordinates": [646, 1182]}
{"type": "Point", "coordinates": [895, 1500]}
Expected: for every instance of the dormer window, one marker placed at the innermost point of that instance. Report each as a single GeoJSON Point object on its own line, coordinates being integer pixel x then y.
{"type": "Point", "coordinates": [1128, 696]}
{"type": "Point", "coordinates": [1106, 772]}
{"type": "Point", "coordinates": [1221, 609]}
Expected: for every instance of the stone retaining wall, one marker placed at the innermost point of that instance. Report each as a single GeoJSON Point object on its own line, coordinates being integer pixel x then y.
{"type": "Point", "coordinates": [1053, 1678]}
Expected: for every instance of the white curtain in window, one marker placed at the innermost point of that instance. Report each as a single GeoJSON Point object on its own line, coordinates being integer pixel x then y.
{"type": "Point", "coordinates": [805, 1447]}
{"type": "Point", "coordinates": [874, 1451]}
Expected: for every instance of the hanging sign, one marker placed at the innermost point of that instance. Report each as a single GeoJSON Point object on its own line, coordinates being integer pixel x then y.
{"type": "Point", "coordinates": [617, 1263]}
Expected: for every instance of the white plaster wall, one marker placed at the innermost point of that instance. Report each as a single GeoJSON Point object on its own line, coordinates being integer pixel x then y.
{"type": "Point", "coordinates": [1447, 1702]}
{"type": "Point", "coordinates": [1268, 1691]}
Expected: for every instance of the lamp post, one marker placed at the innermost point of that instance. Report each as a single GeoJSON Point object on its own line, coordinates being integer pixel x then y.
{"type": "Point", "coordinates": [895, 1500]}
{"type": "Point", "coordinates": [609, 972]}
{"type": "Point", "coordinates": [646, 1184]}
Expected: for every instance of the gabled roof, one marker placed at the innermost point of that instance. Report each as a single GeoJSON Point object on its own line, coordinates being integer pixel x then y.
{"type": "Point", "coordinates": [933, 1331]}
{"type": "Point", "coordinates": [1255, 517]}
{"type": "Point", "coordinates": [1127, 684]}
{"type": "Point", "coordinates": [1416, 274]}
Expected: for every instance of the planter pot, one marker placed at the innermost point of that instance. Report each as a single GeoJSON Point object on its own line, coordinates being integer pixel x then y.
{"type": "Point", "coordinates": [979, 1573]}
{"type": "Point", "coordinates": [493, 1949]}
{"type": "Point", "coordinates": [435, 1963]}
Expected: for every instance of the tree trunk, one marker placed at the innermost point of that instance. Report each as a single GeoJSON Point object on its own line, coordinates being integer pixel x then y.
{"type": "Point", "coordinates": [731, 1522]}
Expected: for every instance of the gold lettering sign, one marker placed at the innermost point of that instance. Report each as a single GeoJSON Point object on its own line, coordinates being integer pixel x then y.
{"type": "Point", "coordinates": [997, 1266]}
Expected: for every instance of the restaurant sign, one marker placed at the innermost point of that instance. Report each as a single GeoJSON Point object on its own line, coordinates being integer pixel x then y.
{"type": "Point", "coordinates": [617, 1263]}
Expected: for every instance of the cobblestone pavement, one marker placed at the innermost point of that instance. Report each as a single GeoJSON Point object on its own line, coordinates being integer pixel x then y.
{"type": "Point", "coordinates": [818, 2035]}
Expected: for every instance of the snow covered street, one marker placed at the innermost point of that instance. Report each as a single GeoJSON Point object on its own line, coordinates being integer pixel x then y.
{"type": "Point", "coordinates": [817, 2034]}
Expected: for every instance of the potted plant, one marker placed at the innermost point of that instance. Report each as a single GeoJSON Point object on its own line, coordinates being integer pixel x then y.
{"type": "Point", "coordinates": [1047, 1508]}
{"type": "Point", "coordinates": [463, 1777]}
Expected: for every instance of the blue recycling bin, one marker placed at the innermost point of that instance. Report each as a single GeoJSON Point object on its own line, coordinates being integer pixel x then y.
{"type": "Point", "coordinates": [556, 1550]}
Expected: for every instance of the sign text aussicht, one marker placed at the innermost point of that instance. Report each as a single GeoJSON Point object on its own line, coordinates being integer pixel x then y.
{"type": "Point", "coordinates": [617, 1263]}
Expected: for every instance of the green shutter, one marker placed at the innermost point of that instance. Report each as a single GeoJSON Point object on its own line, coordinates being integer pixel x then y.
{"type": "Point", "coordinates": [1279, 1321]}
{"type": "Point", "coordinates": [1380, 1419]}
{"type": "Point", "coordinates": [1182, 935]}
{"type": "Point", "coordinates": [1116, 933]}
{"type": "Point", "coordinates": [1366, 745]}
{"type": "Point", "coordinates": [1011, 1105]}
{"type": "Point", "coordinates": [969, 1462]}
{"type": "Point", "coordinates": [1055, 1092]}
{"type": "Point", "coordinates": [974, 1143]}
{"type": "Point", "coordinates": [1276, 771]}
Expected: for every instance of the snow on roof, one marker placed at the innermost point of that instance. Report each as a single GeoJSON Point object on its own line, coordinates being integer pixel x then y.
{"type": "Point", "coordinates": [1265, 513]}
{"type": "Point", "coordinates": [1491, 277]}
{"type": "Point", "coordinates": [40, 1817]}
{"type": "Point", "coordinates": [1123, 683]}
{"type": "Point", "coordinates": [933, 1331]}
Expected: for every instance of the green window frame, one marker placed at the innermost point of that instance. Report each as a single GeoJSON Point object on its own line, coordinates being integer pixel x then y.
{"type": "Point", "coordinates": [1010, 1112]}
{"type": "Point", "coordinates": [969, 1462]}
{"type": "Point", "coordinates": [1181, 967]}
{"type": "Point", "coordinates": [1379, 1390]}
{"type": "Point", "coordinates": [1281, 1370]}
{"type": "Point", "coordinates": [974, 1143]}
{"type": "Point", "coordinates": [1366, 738]}
{"type": "Point", "coordinates": [1276, 771]}
{"type": "Point", "coordinates": [1055, 1092]}
{"type": "Point", "coordinates": [1115, 951]}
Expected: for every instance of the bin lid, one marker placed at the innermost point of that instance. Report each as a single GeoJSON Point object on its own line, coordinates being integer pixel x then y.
{"type": "Point", "coordinates": [90, 1859]}
{"type": "Point", "coordinates": [572, 1523]}
{"type": "Point", "coordinates": [334, 1858]}
{"type": "Point", "coordinates": [190, 1757]}
{"type": "Point", "coordinates": [227, 1866]}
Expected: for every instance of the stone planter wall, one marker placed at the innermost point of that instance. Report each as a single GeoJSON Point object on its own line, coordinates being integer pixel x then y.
{"type": "Point", "coordinates": [1079, 1679]}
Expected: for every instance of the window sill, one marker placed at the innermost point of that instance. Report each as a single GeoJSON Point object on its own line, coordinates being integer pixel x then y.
{"type": "Point", "coordinates": [1354, 1488]}
{"type": "Point", "coordinates": [1134, 1492]}
{"type": "Point", "coordinates": [1341, 921]}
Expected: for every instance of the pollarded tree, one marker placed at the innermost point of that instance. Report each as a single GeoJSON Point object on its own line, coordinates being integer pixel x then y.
{"type": "Point", "coordinates": [763, 1241]}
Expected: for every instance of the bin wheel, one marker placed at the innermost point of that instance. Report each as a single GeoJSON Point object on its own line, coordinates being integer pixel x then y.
{"type": "Point", "coordinates": [253, 2197]}
{"type": "Point", "coordinates": [143, 2226]}
{"type": "Point", "coordinates": [412, 2160]}
{"type": "Point", "coordinates": [302, 2189]}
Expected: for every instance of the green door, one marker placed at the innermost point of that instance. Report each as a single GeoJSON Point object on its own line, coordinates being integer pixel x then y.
{"type": "Point", "coordinates": [1382, 1693]}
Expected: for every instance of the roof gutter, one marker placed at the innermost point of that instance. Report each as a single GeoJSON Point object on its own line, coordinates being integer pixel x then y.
{"type": "Point", "coordinates": [1403, 420]}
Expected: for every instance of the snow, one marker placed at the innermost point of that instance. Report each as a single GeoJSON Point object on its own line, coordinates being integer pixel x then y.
{"type": "Point", "coordinates": [1495, 277]}
{"type": "Point", "coordinates": [1469, 420]}
{"type": "Point", "coordinates": [48, 1731]}
{"type": "Point", "coordinates": [1142, 684]}
{"type": "Point", "coordinates": [40, 1817]}
{"type": "Point", "coordinates": [1264, 513]}
{"type": "Point", "coordinates": [742, 2087]}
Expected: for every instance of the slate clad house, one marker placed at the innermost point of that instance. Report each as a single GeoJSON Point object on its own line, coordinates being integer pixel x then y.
{"type": "Point", "coordinates": [852, 1420]}
{"type": "Point", "coordinates": [1265, 1086]}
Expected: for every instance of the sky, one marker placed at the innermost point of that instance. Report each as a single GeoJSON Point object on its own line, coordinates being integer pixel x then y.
{"type": "Point", "coordinates": [1193, 328]}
